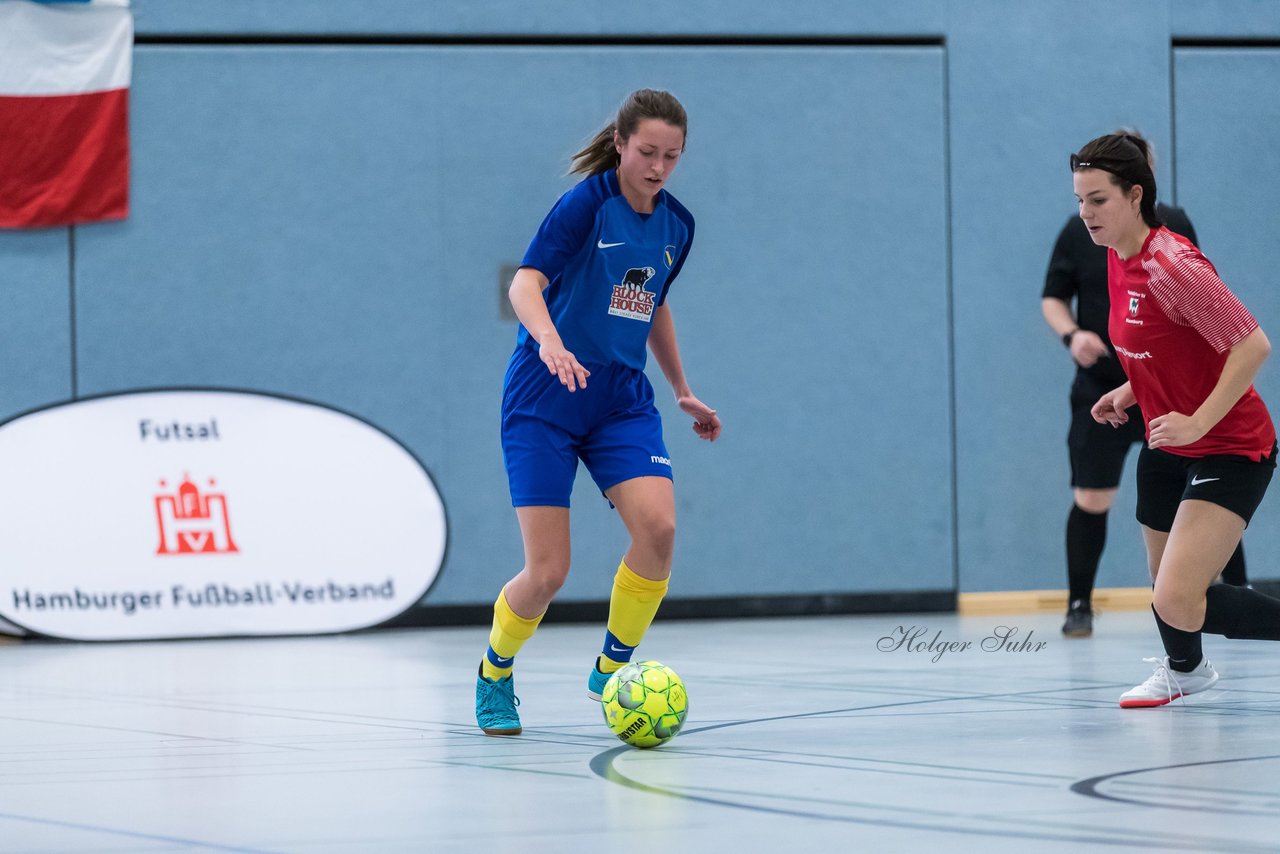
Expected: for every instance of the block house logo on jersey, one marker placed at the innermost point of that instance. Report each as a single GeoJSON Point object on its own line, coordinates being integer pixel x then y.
{"type": "Point", "coordinates": [337, 526]}
{"type": "Point", "coordinates": [630, 299]}
{"type": "Point", "coordinates": [192, 522]}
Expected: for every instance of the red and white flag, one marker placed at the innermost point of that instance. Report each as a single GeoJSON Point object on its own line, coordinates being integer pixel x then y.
{"type": "Point", "coordinates": [64, 112]}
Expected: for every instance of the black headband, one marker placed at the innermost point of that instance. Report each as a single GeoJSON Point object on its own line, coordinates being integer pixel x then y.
{"type": "Point", "coordinates": [1077, 163]}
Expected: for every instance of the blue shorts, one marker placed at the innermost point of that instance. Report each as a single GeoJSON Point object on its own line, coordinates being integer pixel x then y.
{"type": "Point", "coordinates": [611, 425]}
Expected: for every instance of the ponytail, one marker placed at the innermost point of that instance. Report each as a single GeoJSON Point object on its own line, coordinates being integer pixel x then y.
{"type": "Point", "coordinates": [600, 155]}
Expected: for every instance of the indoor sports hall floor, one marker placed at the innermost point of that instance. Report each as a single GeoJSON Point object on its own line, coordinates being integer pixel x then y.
{"type": "Point", "coordinates": [803, 736]}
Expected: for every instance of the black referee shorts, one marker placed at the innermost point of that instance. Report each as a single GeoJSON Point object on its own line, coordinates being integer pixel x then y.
{"type": "Point", "coordinates": [1098, 450]}
{"type": "Point", "coordinates": [1166, 480]}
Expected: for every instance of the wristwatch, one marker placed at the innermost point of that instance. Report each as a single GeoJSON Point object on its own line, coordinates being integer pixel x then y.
{"type": "Point", "coordinates": [1066, 339]}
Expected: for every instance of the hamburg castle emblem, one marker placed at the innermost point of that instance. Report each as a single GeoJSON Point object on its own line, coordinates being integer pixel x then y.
{"type": "Point", "coordinates": [192, 522]}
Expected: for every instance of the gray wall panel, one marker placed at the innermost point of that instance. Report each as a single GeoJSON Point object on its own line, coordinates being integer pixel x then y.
{"type": "Point", "coordinates": [555, 17]}
{"type": "Point", "coordinates": [1225, 19]}
{"type": "Point", "coordinates": [1228, 123]}
{"type": "Point", "coordinates": [35, 318]}
{"type": "Point", "coordinates": [329, 223]}
{"type": "Point", "coordinates": [1029, 85]}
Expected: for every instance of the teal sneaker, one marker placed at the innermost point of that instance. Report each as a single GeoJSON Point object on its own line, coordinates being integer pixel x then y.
{"type": "Point", "coordinates": [596, 681]}
{"type": "Point", "coordinates": [496, 703]}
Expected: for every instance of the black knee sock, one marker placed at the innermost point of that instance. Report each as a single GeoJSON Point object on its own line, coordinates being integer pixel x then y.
{"type": "Point", "coordinates": [1233, 572]}
{"type": "Point", "coordinates": [1086, 537]}
{"type": "Point", "coordinates": [1239, 612]}
{"type": "Point", "coordinates": [1183, 648]}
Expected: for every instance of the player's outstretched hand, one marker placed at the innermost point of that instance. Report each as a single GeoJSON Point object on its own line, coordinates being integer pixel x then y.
{"type": "Point", "coordinates": [705, 421]}
{"type": "Point", "coordinates": [563, 364]}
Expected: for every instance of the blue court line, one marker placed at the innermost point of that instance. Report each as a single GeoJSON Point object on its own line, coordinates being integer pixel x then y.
{"type": "Point", "coordinates": [133, 834]}
{"type": "Point", "coordinates": [929, 821]}
{"type": "Point", "coordinates": [1090, 787]}
{"type": "Point", "coordinates": [602, 765]}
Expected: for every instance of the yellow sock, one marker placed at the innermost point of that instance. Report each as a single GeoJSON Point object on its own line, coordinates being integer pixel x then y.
{"type": "Point", "coordinates": [509, 632]}
{"type": "Point", "coordinates": [632, 606]}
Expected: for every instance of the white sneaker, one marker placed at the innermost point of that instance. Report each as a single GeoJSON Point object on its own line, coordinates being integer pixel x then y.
{"type": "Point", "coordinates": [1166, 684]}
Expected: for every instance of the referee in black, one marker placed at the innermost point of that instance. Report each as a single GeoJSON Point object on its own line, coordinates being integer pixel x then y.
{"type": "Point", "coordinates": [1078, 272]}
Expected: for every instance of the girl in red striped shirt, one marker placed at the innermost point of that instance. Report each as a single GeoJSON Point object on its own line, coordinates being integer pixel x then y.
{"type": "Point", "coordinates": [1191, 351]}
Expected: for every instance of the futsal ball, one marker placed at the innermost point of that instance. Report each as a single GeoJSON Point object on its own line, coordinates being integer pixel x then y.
{"type": "Point", "coordinates": [645, 704]}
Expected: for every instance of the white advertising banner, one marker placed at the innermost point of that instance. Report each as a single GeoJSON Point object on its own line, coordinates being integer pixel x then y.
{"type": "Point", "coordinates": [186, 513]}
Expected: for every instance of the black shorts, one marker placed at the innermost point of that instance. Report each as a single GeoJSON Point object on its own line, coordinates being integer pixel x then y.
{"type": "Point", "coordinates": [1166, 480]}
{"type": "Point", "coordinates": [1098, 450]}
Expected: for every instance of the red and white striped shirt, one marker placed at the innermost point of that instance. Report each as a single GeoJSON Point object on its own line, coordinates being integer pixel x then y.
{"type": "Point", "coordinates": [1173, 322]}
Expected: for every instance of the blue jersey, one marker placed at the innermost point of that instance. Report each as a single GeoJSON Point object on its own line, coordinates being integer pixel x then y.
{"type": "Point", "coordinates": [609, 269]}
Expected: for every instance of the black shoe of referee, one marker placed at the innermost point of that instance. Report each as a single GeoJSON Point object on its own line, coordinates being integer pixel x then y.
{"type": "Point", "coordinates": [1079, 622]}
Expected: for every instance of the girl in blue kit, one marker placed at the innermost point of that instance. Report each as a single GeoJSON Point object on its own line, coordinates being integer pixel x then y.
{"type": "Point", "coordinates": [590, 295]}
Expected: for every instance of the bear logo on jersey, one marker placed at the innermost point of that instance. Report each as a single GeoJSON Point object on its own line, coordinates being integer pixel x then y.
{"type": "Point", "coordinates": [630, 299]}
{"type": "Point", "coordinates": [637, 276]}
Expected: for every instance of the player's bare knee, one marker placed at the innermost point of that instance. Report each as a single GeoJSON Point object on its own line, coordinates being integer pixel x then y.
{"type": "Point", "coordinates": [1095, 501]}
{"type": "Point", "coordinates": [549, 586]}
{"type": "Point", "coordinates": [1179, 609]}
{"type": "Point", "coordinates": [548, 576]}
{"type": "Point", "coordinates": [659, 537]}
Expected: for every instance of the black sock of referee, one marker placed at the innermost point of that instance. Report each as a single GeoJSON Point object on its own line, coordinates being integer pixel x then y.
{"type": "Point", "coordinates": [1086, 537]}
{"type": "Point", "coordinates": [1233, 572]}
{"type": "Point", "coordinates": [1183, 648]}
{"type": "Point", "coordinates": [1239, 612]}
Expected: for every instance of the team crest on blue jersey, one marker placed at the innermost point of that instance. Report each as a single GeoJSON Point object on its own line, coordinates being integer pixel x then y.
{"type": "Point", "coordinates": [669, 255]}
{"type": "Point", "coordinates": [630, 299]}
